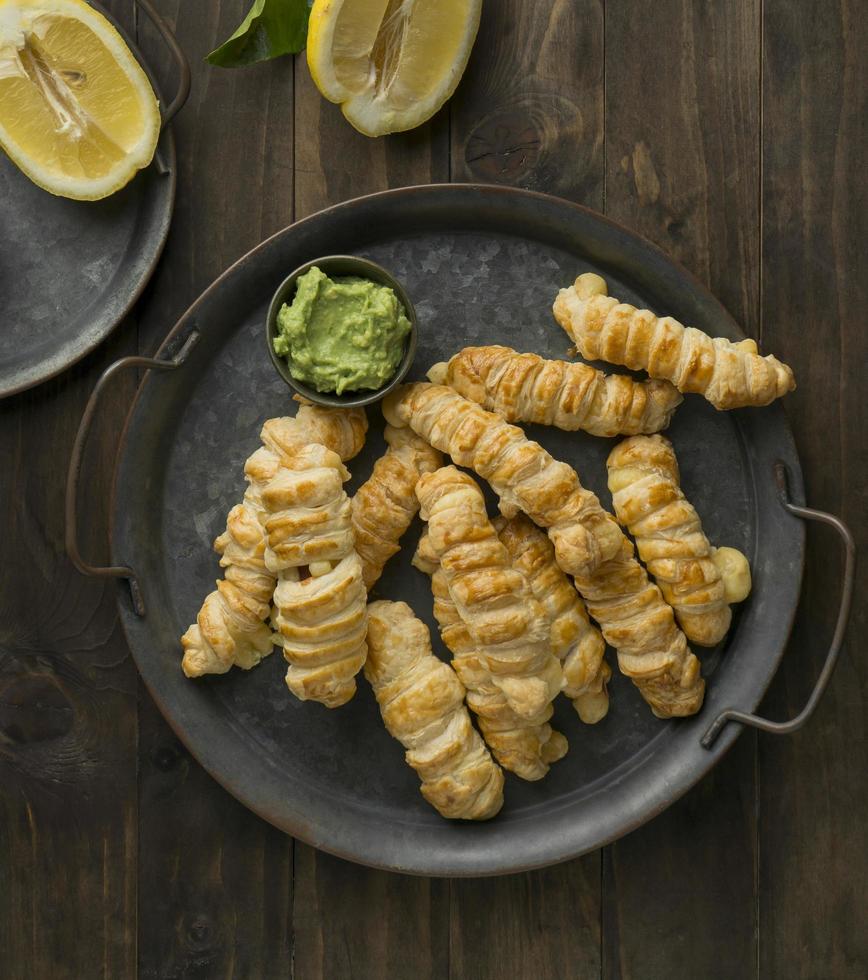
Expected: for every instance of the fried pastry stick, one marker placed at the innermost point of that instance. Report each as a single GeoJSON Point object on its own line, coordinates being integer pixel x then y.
{"type": "Point", "coordinates": [570, 396]}
{"type": "Point", "coordinates": [507, 624]}
{"type": "Point", "coordinates": [386, 503]}
{"type": "Point", "coordinates": [230, 628]}
{"type": "Point", "coordinates": [421, 700]}
{"type": "Point", "coordinates": [698, 581]}
{"type": "Point", "coordinates": [575, 641]}
{"type": "Point", "coordinates": [635, 620]}
{"type": "Point", "coordinates": [320, 617]}
{"type": "Point", "coordinates": [525, 746]}
{"type": "Point", "coordinates": [728, 375]}
{"type": "Point", "coordinates": [521, 472]}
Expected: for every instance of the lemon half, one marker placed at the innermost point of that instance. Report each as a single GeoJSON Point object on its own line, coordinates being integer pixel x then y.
{"type": "Point", "coordinates": [391, 64]}
{"type": "Point", "coordinates": [77, 112]}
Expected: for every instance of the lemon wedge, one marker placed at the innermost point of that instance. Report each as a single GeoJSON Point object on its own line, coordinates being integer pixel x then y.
{"type": "Point", "coordinates": [391, 64]}
{"type": "Point", "coordinates": [77, 113]}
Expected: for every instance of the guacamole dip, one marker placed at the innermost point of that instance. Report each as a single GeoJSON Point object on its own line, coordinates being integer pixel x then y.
{"type": "Point", "coordinates": [341, 334]}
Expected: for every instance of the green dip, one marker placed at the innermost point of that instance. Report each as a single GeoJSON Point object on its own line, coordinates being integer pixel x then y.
{"type": "Point", "coordinates": [341, 334]}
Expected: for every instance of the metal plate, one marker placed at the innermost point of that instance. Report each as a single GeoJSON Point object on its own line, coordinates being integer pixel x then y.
{"type": "Point", "coordinates": [481, 264]}
{"type": "Point", "coordinates": [71, 270]}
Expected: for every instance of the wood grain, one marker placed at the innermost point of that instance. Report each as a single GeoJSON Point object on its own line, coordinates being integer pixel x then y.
{"type": "Point", "coordinates": [539, 924]}
{"type": "Point", "coordinates": [813, 787]}
{"type": "Point", "coordinates": [351, 921]}
{"type": "Point", "coordinates": [529, 111]}
{"type": "Point", "coordinates": [215, 881]}
{"type": "Point", "coordinates": [682, 130]}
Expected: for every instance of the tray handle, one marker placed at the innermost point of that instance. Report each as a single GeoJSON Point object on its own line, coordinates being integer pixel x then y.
{"type": "Point", "coordinates": [786, 727]}
{"type": "Point", "coordinates": [180, 60]}
{"type": "Point", "coordinates": [75, 460]}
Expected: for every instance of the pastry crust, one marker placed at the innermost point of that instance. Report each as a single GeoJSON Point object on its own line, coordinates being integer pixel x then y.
{"type": "Point", "coordinates": [728, 375]}
{"type": "Point", "coordinates": [230, 628]}
{"type": "Point", "coordinates": [321, 626]}
{"type": "Point", "coordinates": [507, 624]}
{"type": "Point", "coordinates": [522, 473]}
{"type": "Point", "coordinates": [307, 512]}
{"type": "Point", "coordinates": [386, 503]}
{"type": "Point", "coordinates": [646, 492]}
{"type": "Point", "coordinates": [421, 700]}
{"type": "Point", "coordinates": [525, 746]}
{"type": "Point", "coordinates": [635, 620]}
{"type": "Point", "coordinates": [320, 616]}
{"type": "Point", "coordinates": [575, 641]}
{"type": "Point", "coordinates": [570, 396]}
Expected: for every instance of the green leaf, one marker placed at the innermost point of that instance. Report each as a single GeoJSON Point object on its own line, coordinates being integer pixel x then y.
{"type": "Point", "coordinates": [270, 29]}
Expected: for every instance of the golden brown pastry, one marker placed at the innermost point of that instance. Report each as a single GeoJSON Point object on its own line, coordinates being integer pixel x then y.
{"type": "Point", "coordinates": [574, 640]}
{"type": "Point", "coordinates": [340, 429]}
{"type": "Point", "coordinates": [230, 629]}
{"type": "Point", "coordinates": [320, 596]}
{"type": "Point", "coordinates": [507, 624]}
{"type": "Point", "coordinates": [521, 472]}
{"type": "Point", "coordinates": [307, 514]}
{"type": "Point", "coordinates": [321, 625]}
{"type": "Point", "coordinates": [421, 700]}
{"type": "Point", "coordinates": [728, 375]}
{"type": "Point", "coordinates": [644, 481]}
{"type": "Point", "coordinates": [635, 620]}
{"type": "Point", "coordinates": [529, 388]}
{"type": "Point", "coordinates": [525, 746]}
{"type": "Point", "coordinates": [385, 504]}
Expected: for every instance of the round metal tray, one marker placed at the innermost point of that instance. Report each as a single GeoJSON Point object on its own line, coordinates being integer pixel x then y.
{"type": "Point", "coordinates": [482, 265]}
{"type": "Point", "coordinates": [71, 270]}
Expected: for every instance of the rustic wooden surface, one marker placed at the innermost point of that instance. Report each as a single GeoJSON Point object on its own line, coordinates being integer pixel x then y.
{"type": "Point", "coordinates": [731, 133]}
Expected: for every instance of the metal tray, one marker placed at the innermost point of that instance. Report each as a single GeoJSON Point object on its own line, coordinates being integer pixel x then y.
{"type": "Point", "coordinates": [71, 270]}
{"type": "Point", "coordinates": [482, 264]}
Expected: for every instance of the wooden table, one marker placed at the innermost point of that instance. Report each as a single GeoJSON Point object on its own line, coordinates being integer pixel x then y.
{"type": "Point", "coordinates": [732, 133]}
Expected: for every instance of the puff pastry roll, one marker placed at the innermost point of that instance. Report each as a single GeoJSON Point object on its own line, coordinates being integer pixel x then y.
{"type": "Point", "coordinates": [696, 580]}
{"type": "Point", "coordinates": [570, 396]}
{"type": "Point", "coordinates": [421, 700]}
{"type": "Point", "coordinates": [507, 624]}
{"type": "Point", "coordinates": [340, 429]}
{"type": "Point", "coordinates": [635, 620]}
{"type": "Point", "coordinates": [306, 511]}
{"type": "Point", "coordinates": [575, 641]}
{"type": "Point", "coordinates": [525, 746]}
{"type": "Point", "coordinates": [521, 472]}
{"type": "Point", "coordinates": [728, 375]}
{"type": "Point", "coordinates": [230, 628]}
{"type": "Point", "coordinates": [385, 504]}
{"type": "Point", "coordinates": [320, 616]}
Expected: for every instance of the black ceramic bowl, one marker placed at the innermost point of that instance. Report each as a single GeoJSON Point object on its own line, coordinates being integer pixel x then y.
{"type": "Point", "coordinates": [340, 265]}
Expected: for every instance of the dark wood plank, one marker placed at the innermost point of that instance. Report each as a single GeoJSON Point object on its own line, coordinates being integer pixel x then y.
{"type": "Point", "coordinates": [529, 113]}
{"type": "Point", "coordinates": [334, 163]}
{"type": "Point", "coordinates": [349, 920]}
{"type": "Point", "coordinates": [682, 129]}
{"type": "Point", "coordinates": [68, 846]}
{"type": "Point", "coordinates": [813, 787]}
{"type": "Point", "coordinates": [539, 924]}
{"type": "Point", "coordinates": [215, 881]}
{"type": "Point", "coordinates": [67, 696]}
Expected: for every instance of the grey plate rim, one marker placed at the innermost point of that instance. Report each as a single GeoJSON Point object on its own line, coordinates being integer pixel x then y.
{"type": "Point", "coordinates": [66, 355]}
{"type": "Point", "coordinates": [406, 856]}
